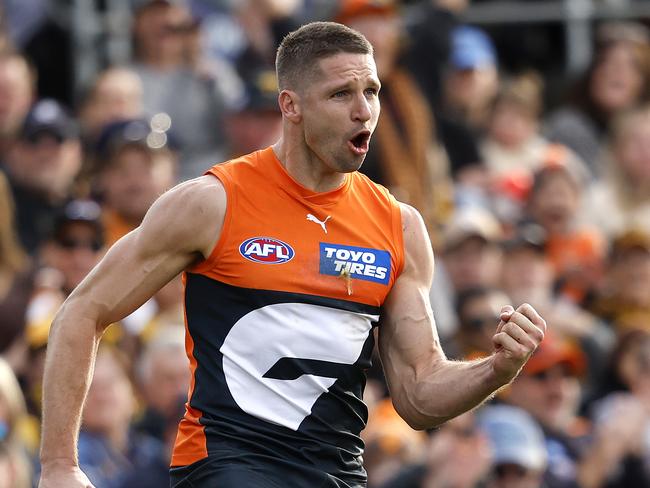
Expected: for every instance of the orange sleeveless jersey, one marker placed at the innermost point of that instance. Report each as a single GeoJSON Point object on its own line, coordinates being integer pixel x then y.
{"type": "Point", "coordinates": [279, 318]}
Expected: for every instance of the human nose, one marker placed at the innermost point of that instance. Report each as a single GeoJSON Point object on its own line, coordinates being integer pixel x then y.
{"type": "Point", "coordinates": [362, 110]}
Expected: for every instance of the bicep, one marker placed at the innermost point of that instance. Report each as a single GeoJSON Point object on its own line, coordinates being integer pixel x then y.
{"type": "Point", "coordinates": [176, 231]}
{"type": "Point", "coordinates": [408, 340]}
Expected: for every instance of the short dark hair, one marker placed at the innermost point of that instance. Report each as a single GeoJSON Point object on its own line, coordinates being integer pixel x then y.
{"type": "Point", "coordinates": [301, 49]}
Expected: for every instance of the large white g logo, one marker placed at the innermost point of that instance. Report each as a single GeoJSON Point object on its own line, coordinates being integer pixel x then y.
{"type": "Point", "coordinates": [284, 336]}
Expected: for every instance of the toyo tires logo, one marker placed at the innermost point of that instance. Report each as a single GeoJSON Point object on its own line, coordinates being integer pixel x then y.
{"type": "Point", "coordinates": [266, 250]}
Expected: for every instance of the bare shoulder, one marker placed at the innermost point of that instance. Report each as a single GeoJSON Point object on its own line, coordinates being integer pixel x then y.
{"type": "Point", "coordinates": [189, 216]}
{"type": "Point", "coordinates": [418, 253]}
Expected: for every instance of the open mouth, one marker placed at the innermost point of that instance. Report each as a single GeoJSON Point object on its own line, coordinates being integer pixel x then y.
{"type": "Point", "coordinates": [360, 143]}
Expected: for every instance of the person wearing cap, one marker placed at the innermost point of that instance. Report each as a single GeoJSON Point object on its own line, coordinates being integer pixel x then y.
{"type": "Point", "coordinates": [257, 122]}
{"type": "Point", "coordinates": [549, 389]}
{"type": "Point", "coordinates": [42, 166]}
{"type": "Point", "coordinates": [519, 456]}
{"type": "Point", "coordinates": [279, 323]}
{"type": "Point", "coordinates": [136, 162]}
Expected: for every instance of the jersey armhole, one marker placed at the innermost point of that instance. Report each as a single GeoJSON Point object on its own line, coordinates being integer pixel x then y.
{"type": "Point", "coordinates": [398, 232]}
{"type": "Point", "coordinates": [209, 262]}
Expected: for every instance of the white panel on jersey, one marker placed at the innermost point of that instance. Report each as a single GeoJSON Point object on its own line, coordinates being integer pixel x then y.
{"type": "Point", "coordinates": [293, 330]}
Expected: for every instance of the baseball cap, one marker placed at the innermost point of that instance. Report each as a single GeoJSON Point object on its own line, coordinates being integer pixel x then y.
{"type": "Point", "coordinates": [47, 116]}
{"type": "Point", "coordinates": [83, 211]}
{"type": "Point", "coordinates": [261, 92]}
{"type": "Point", "coordinates": [552, 351]}
{"type": "Point", "coordinates": [527, 235]}
{"type": "Point", "coordinates": [471, 48]}
{"type": "Point", "coordinates": [471, 222]}
{"type": "Point", "coordinates": [350, 9]}
{"type": "Point", "coordinates": [515, 437]}
{"type": "Point", "coordinates": [150, 134]}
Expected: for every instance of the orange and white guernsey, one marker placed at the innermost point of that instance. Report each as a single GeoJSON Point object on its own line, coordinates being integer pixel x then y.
{"type": "Point", "coordinates": [279, 319]}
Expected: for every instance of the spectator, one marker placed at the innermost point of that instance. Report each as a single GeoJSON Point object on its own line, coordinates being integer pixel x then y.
{"type": "Point", "coordinates": [42, 167]}
{"type": "Point", "coordinates": [458, 454]}
{"type": "Point", "coordinates": [108, 448]}
{"type": "Point", "coordinates": [618, 79]}
{"type": "Point", "coordinates": [74, 247]}
{"type": "Point", "coordinates": [619, 456]}
{"type": "Point", "coordinates": [404, 155]}
{"type": "Point", "coordinates": [549, 389]}
{"type": "Point", "coordinates": [163, 378]}
{"type": "Point", "coordinates": [527, 272]}
{"type": "Point", "coordinates": [116, 95]}
{"type": "Point", "coordinates": [135, 165]}
{"type": "Point", "coordinates": [13, 444]}
{"type": "Point", "coordinates": [258, 122]}
{"type": "Point", "coordinates": [624, 301]}
{"type": "Point", "coordinates": [160, 35]}
{"type": "Point", "coordinates": [518, 451]}
{"type": "Point", "coordinates": [622, 198]}
{"type": "Point", "coordinates": [471, 257]}
{"type": "Point", "coordinates": [17, 88]}
{"type": "Point", "coordinates": [477, 310]}
{"type": "Point", "coordinates": [512, 142]}
{"type": "Point", "coordinates": [15, 281]}
{"type": "Point", "coordinates": [575, 251]}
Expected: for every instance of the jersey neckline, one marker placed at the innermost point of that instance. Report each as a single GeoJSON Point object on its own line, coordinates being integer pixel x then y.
{"type": "Point", "coordinates": [290, 185]}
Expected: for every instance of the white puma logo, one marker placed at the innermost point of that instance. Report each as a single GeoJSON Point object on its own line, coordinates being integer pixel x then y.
{"type": "Point", "coordinates": [311, 218]}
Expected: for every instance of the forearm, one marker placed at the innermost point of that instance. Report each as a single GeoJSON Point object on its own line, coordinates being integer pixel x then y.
{"type": "Point", "coordinates": [69, 366]}
{"type": "Point", "coordinates": [445, 390]}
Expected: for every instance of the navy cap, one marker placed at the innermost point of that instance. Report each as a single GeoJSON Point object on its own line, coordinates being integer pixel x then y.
{"type": "Point", "coordinates": [471, 48]}
{"type": "Point", "coordinates": [150, 134]}
{"type": "Point", "coordinates": [49, 117]}
{"type": "Point", "coordinates": [261, 92]}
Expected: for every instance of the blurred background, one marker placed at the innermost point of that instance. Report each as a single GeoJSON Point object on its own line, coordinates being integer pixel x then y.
{"type": "Point", "coordinates": [519, 129]}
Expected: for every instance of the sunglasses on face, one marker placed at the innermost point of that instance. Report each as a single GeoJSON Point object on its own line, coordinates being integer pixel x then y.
{"type": "Point", "coordinates": [73, 244]}
{"type": "Point", "coordinates": [478, 322]}
{"type": "Point", "coordinates": [510, 470]}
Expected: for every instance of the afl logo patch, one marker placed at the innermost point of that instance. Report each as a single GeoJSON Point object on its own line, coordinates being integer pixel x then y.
{"type": "Point", "coordinates": [266, 250]}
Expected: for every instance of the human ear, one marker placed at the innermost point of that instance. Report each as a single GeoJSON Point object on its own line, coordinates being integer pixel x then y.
{"type": "Point", "coordinates": [290, 107]}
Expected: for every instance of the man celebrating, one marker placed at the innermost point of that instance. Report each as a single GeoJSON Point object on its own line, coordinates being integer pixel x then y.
{"type": "Point", "coordinates": [280, 308]}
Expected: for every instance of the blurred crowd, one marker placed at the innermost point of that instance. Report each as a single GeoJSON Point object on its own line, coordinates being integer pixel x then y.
{"type": "Point", "coordinates": [525, 199]}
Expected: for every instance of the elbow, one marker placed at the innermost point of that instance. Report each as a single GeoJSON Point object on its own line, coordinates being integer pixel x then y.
{"type": "Point", "coordinates": [414, 414]}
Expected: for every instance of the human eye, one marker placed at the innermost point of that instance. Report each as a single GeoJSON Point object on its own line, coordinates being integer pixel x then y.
{"type": "Point", "coordinates": [340, 94]}
{"type": "Point", "coordinates": [371, 92]}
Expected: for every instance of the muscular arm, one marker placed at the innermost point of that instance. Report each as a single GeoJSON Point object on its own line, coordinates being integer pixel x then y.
{"type": "Point", "coordinates": [427, 389]}
{"type": "Point", "coordinates": [180, 227]}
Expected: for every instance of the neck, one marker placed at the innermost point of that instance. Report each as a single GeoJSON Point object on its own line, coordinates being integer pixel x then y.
{"type": "Point", "coordinates": [306, 168]}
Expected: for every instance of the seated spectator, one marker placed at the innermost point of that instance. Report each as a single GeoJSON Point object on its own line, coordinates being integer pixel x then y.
{"type": "Point", "coordinates": [17, 88]}
{"type": "Point", "coordinates": [42, 166]}
{"type": "Point", "coordinates": [470, 257]}
{"type": "Point", "coordinates": [624, 301]}
{"type": "Point", "coordinates": [15, 282]}
{"type": "Point", "coordinates": [458, 454]}
{"type": "Point", "coordinates": [512, 142]}
{"type": "Point", "coordinates": [163, 379]}
{"type": "Point", "coordinates": [160, 35]}
{"type": "Point", "coordinates": [519, 454]}
{"type": "Point", "coordinates": [108, 448]}
{"type": "Point", "coordinates": [617, 80]}
{"type": "Point", "coordinates": [478, 312]}
{"type": "Point", "coordinates": [619, 455]}
{"type": "Point", "coordinates": [115, 95]}
{"type": "Point", "coordinates": [622, 198]}
{"type": "Point", "coordinates": [134, 166]}
{"type": "Point", "coordinates": [72, 250]}
{"type": "Point", "coordinates": [257, 123]}
{"type": "Point", "coordinates": [549, 389]}
{"type": "Point", "coordinates": [575, 251]}
{"type": "Point", "coordinates": [15, 441]}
